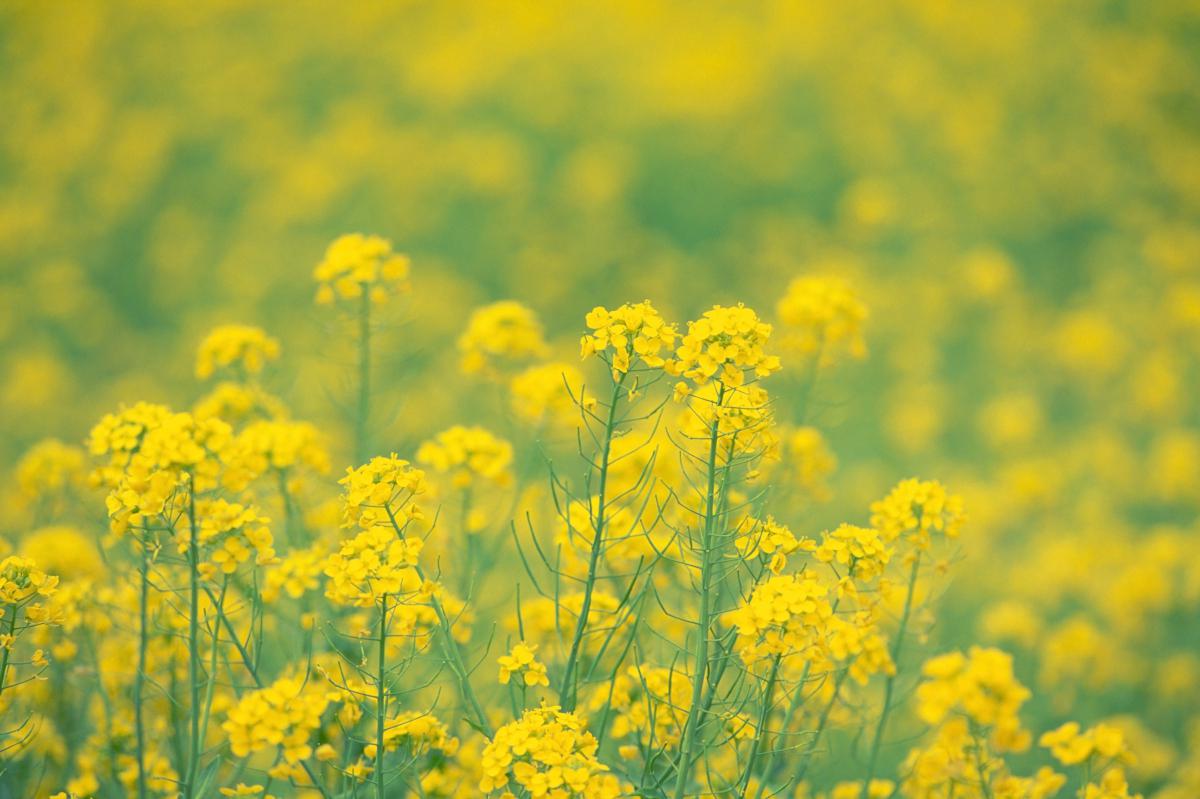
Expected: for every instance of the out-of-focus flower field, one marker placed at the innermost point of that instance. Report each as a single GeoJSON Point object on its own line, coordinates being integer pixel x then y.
{"type": "Point", "coordinates": [307, 490]}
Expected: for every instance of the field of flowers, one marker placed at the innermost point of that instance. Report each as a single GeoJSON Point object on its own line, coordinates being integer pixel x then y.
{"type": "Point", "coordinates": [574, 400]}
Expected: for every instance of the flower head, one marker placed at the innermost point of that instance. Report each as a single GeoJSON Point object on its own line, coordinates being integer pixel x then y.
{"type": "Point", "coordinates": [820, 316]}
{"type": "Point", "coordinates": [244, 348]}
{"type": "Point", "coordinates": [627, 336]}
{"type": "Point", "coordinates": [723, 345]}
{"type": "Point", "coordinates": [355, 263]}
{"type": "Point", "coordinates": [499, 334]}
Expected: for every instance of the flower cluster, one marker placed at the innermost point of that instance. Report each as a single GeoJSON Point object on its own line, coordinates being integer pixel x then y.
{"type": "Point", "coordinates": [295, 574]}
{"type": "Point", "coordinates": [626, 336]}
{"type": "Point", "coordinates": [153, 452]}
{"type": "Point", "coordinates": [547, 753]}
{"type": "Point", "coordinates": [244, 348]}
{"type": "Point", "coordinates": [274, 445]}
{"type": "Point", "coordinates": [958, 762]}
{"type": "Point", "coordinates": [502, 333]}
{"type": "Point", "coordinates": [284, 714]}
{"type": "Point", "coordinates": [549, 393]}
{"type": "Point", "coordinates": [723, 345]}
{"type": "Point", "coordinates": [981, 687]}
{"type": "Point", "coordinates": [650, 702]}
{"type": "Point", "coordinates": [819, 316]}
{"type": "Point", "coordinates": [522, 660]}
{"type": "Point", "coordinates": [468, 455]}
{"type": "Point", "coordinates": [785, 615]}
{"type": "Point", "coordinates": [743, 420]}
{"type": "Point", "coordinates": [914, 508]}
{"type": "Point", "coordinates": [1071, 745]}
{"type": "Point", "coordinates": [238, 402]}
{"type": "Point", "coordinates": [807, 455]}
{"type": "Point", "coordinates": [229, 533]}
{"type": "Point", "coordinates": [355, 263]}
{"type": "Point", "coordinates": [382, 493]}
{"type": "Point", "coordinates": [48, 467]}
{"type": "Point", "coordinates": [769, 540]}
{"type": "Point", "coordinates": [860, 550]}
{"type": "Point", "coordinates": [21, 581]}
{"type": "Point", "coordinates": [371, 565]}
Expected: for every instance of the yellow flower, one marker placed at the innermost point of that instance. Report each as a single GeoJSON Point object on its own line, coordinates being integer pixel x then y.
{"type": "Point", "coordinates": [980, 685]}
{"type": "Point", "coordinates": [381, 493]}
{"type": "Point", "coordinates": [914, 508]}
{"type": "Point", "coordinates": [243, 347]}
{"type": "Point", "coordinates": [499, 334]}
{"type": "Point", "coordinates": [785, 615]}
{"type": "Point", "coordinates": [284, 714]}
{"type": "Point", "coordinates": [64, 551]}
{"type": "Point", "coordinates": [48, 467]}
{"type": "Point", "coordinates": [355, 263]}
{"type": "Point", "coordinates": [628, 335]}
{"type": "Point", "coordinates": [819, 316]}
{"type": "Point", "coordinates": [723, 345]}
{"type": "Point", "coordinates": [522, 660]}
{"type": "Point", "coordinates": [468, 455]}
{"type": "Point", "coordinates": [547, 750]}
{"type": "Point", "coordinates": [550, 393]}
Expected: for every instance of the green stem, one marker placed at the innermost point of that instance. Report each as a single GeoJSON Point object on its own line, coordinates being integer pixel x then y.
{"type": "Point", "coordinates": [252, 670]}
{"type": "Point", "coordinates": [381, 699]}
{"type": "Point", "coordinates": [687, 743]}
{"type": "Point", "coordinates": [289, 511]}
{"type": "Point", "coordinates": [193, 640]}
{"type": "Point", "coordinates": [890, 685]}
{"type": "Point", "coordinates": [763, 720]}
{"type": "Point", "coordinates": [453, 656]}
{"type": "Point", "coordinates": [788, 715]}
{"type": "Point", "coordinates": [140, 678]}
{"type": "Point", "coordinates": [812, 748]}
{"type": "Point", "coordinates": [12, 628]}
{"type": "Point", "coordinates": [363, 414]}
{"type": "Point", "coordinates": [567, 693]}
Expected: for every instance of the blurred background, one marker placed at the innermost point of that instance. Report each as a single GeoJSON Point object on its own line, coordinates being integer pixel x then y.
{"type": "Point", "coordinates": [1013, 186]}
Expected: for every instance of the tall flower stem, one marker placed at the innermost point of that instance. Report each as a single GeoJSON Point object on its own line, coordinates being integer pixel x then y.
{"type": "Point", "coordinates": [362, 414]}
{"type": "Point", "coordinates": [890, 685]}
{"type": "Point", "coordinates": [381, 699]}
{"type": "Point", "coordinates": [12, 630]}
{"type": "Point", "coordinates": [453, 656]}
{"type": "Point", "coordinates": [139, 683]}
{"type": "Point", "coordinates": [567, 692]}
{"type": "Point", "coordinates": [193, 555]}
{"type": "Point", "coordinates": [687, 744]}
{"type": "Point", "coordinates": [763, 720]}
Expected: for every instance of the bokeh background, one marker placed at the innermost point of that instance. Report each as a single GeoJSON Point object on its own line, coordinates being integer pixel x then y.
{"type": "Point", "coordinates": [1013, 186]}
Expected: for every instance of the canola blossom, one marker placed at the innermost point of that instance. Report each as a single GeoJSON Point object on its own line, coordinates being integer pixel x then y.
{"type": "Point", "coordinates": [655, 400]}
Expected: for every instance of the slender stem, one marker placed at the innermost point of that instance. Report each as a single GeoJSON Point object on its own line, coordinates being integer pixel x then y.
{"type": "Point", "coordinates": [289, 510]}
{"type": "Point", "coordinates": [362, 417]}
{"type": "Point", "coordinates": [824, 721]}
{"type": "Point", "coordinates": [985, 786]}
{"type": "Point", "coordinates": [455, 661]}
{"type": "Point", "coordinates": [687, 743]}
{"type": "Point", "coordinates": [248, 662]}
{"type": "Point", "coordinates": [12, 628]}
{"type": "Point", "coordinates": [567, 693]}
{"type": "Point", "coordinates": [763, 720]}
{"type": "Point", "coordinates": [890, 685]}
{"type": "Point", "coordinates": [453, 656]}
{"type": "Point", "coordinates": [193, 640]}
{"type": "Point", "coordinates": [140, 679]}
{"type": "Point", "coordinates": [381, 699]}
